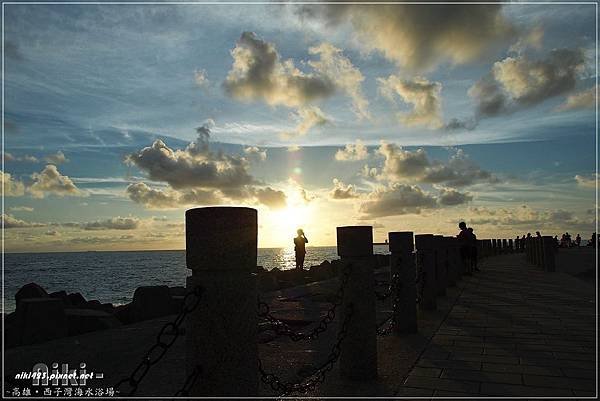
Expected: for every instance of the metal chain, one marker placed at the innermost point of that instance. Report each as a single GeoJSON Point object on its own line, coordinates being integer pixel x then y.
{"type": "Point", "coordinates": [318, 376]}
{"type": "Point", "coordinates": [189, 382]}
{"type": "Point", "coordinates": [397, 286]}
{"type": "Point", "coordinates": [283, 329]}
{"type": "Point", "coordinates": [158, 350]}
{"type": "Point", "coordinates": [392, 286]}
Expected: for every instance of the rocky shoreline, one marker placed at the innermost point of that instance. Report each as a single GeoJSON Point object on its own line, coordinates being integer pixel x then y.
{"type": "Point", "coordinates": [41, 316]}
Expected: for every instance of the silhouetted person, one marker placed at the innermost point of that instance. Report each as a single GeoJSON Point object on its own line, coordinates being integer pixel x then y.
{"type": "Point", "coordinates": [464, 240]}
{"type": "Point", "coordinates": [473, 253]}
{"type": "Point", "coordinates": [300, 248]}
{"type": "Point", "coordinates": [578, 240]}
{"type": "Point", "coordinates": [537, 234]}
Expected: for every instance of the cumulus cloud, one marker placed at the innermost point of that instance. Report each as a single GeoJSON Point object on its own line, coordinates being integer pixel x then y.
{"type": "Point", "coordinates": [200, 78]}
{"type": "Point", "coordinates": [341, 191]}
{"type": "Point", "coordinates": [532, 39]}
{"type": "Point", "coordinates": [9, 221]}
{"type": "Point", "coordinates": [423, 36]}
{"type": "Point", "coordinates": [423, 95]}
{"type": "Point", "coordinates": [340, 70]}
{"type": "Point", "coordinates": [56, 158]}
{"type": "Point", "coordinates": [270, 197]}
{"type": "Point", "coordinates": [9, 157]}
{"type": "Point", "coordinates": [452, 197]}
{"type": "Point", "coordinates": [255, 153]}
{"type": "Point", "coordinates": [194, 166]}
{"type": "Point", "coordinates": [307, 117]}
{"type": "Point", "coordinates": [583, 100]}
{"type": "Point", "coordinates": [518, 82]}
{"type": "Point", "coordinates": [10, 186]}
{"type": "Point", "coordinates": [586, 182]}
{"type": "Point", "coordinates": [352, 152]}
{"type": "Point", "coordinates": [153, 198]}
{"type": "Point", "coordinates": [51, 181]}
{"type": "Point", "coordinates": [259, 74]}
{"type": "Point", "coordinates": [405, 165]}
{"type": "Point", "coordinates": [525, 217]}
{"type": "Point", "coordinates": [396, 199]}
{"type": "Point", "coordinates": [115, 223]}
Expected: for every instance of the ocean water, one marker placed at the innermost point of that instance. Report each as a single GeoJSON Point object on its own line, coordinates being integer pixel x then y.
{"type": "Point", "coordinates": [114, 276]}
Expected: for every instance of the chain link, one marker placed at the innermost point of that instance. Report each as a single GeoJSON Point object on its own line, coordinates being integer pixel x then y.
{"type": "Point", "coordinates": [318, 376]}
{"type": "Point", "coordinates": [159, 349]}
{"type": "Point", "coordinates": [395, 287]}
{"type": "Point", "coordinates": [283, 329]}
{"type": "Point", "coordinates": [392, 286]}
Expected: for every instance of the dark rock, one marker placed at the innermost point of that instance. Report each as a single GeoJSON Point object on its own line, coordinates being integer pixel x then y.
{"type": "Point", "coordinates": [76, 299]}
{"type": "Point", "coordinates": [123, 313]}
{"type": "Point", "coordinates": [266, 336]}
{"type": "Point", "coordinates": [81, 321]}
{"type": "Point", "coordinates": [150, 302]}
{"type": "Point", "coordinates": [30, 290]}
{"type": "Point", "coordinates": [62, 295]}
{"type": "Point", "coordinates": [177, 291]}
{"type": "Point", "coordinates": [176, 303]}
{"type": "Point", "coordinates": [260, 269]}
{"type": "Point", "coordinates": [268, 282]}
{"type": "Point", "coordinates": [41, 319]}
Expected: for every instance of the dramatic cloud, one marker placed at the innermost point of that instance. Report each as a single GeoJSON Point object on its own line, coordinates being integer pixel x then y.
{"type": "Point", "coordinates": [307, 117]}
{"type": "Point", "coordinates": [115, 223]}
{"type": "Point", "coordinates": [397, 199]}
{"type": "Point", "coordinates": [421, 36]}
{"type": "Point", "coordinates": [582, 100]}
{"type": "Point", "coordinates": [352, 152]}
{"type": "Point", "coordinates": [518, 82]}
{"type": "Point", "coordinates": [10, 221]}
{"type": "Point", "coordinates": [56, 158]}
{"type": "Point", "coordinates": [405, 165]}
{"type": "Point", "coordinates": [452, 197]}
{"type": "Point", "coordinates": [341, 191]}
{"type": "Point", "coordinates": [153, 198]}
{"type": "Point", "coordinates": [421, 93]}
{"type": "Point", "coordinates": [255, 153]}
{"type": "Point", "coordinates": [195, 166]}
{"type": "Point", "coordinates": [339, 69]}
{"type": "Point", "coordinates": [11, 187]}
{"type": "Point", "coordinates": [259, 74]}
{"type": "Point", "coordinates": [270, 197]}
{"type": "Point", "coordinates": [51, 181]}
{"type": "Point", "coordinates": [526, 218]}
{"type": "Point", "coordinates": [587, 182]}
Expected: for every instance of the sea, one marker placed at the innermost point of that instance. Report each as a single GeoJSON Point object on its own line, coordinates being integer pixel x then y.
{"type": "Point", "coordinates": [114, 276]}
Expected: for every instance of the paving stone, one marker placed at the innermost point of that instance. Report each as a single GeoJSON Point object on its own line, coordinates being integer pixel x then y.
{"type": "Point", "coordinates": [481, 376]}
{"type": "Point", "coordinates": [580, 373]}
{"type": "Point", "coordinates": [498, 389]}
{"type": "Point", "coordinates": [560, 382]}
{"type": "Point", "coordinates": [443, 384]}
{"type": "Point", "coordinates": [427, 372]}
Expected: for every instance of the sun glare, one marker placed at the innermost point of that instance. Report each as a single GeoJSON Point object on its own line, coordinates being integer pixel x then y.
{"type": "Point", "coordinates": [297, 214]}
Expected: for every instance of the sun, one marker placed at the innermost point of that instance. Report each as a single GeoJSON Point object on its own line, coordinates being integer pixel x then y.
{"type": "Point", "coordinates": [284, 223]}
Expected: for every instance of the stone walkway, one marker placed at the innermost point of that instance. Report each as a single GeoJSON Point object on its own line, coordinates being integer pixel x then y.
{"type": "Point", "coordinates": [513, 331]}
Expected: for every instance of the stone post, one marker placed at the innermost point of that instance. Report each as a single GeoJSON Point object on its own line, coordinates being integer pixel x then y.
{"type": "Point", "coordinates": [494, 247]}
{"type": "Point", "coordinates": [426, 259]}
{"type": "Point", "coordinates": [539, 252]}
{"type": "Point", "coordinates": [505, 246]}
{"type": "Point", "coordinates": [358, 357]}
{"type": "Point", "coordinates": [510, 245]}
{"type": "Point", "coordinates": [221, 333]}
{"type": "Point", "coordinates": [500, 249]}
{"type": "Point", "coordinates": [548, 251]}
{"type": "Point", "coordinates": [402, 262]}
{"type": "Point", "coordinates": [441, 265]}
{"type": "Point", "coordinates": [451, 261]}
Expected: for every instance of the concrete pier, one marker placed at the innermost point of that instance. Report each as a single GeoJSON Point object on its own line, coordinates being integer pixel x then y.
{"type": "Point", "coordinates": [402, 262]}
{"type": "Point", "coordinates": [221, 334]}
{"type": "Point", "coordinates": [441, 265]}
{"type": "Point", "coordinates": [426, 259]}
{"type": "Point", "coordinates": [358, 358]}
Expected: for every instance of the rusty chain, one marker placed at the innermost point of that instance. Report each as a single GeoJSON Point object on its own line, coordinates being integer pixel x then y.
{"type": "Point", "coordinates": [159, 349]}
{"type": "Point", "coordinates": [283, 329]}
{"type": "Point", "coordinates": [318, 376]}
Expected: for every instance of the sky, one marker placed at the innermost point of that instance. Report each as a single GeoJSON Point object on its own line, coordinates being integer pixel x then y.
{"type": "Point", "coordinates": [118, 118]}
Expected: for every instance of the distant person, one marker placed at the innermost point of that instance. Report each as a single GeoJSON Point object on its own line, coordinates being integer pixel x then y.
{"type": "Point", "coordinates": [578, 240]}
{"type": "Point", "coordinates": [300, 248]}
{"type": "Point", "coordinates": [473, 254]}
{"type": "Point", "coordinates": [464, 240]}
{"type": "Point", "coordinates": [556, 242]}
{"type": "Point", "coordinates": [537, 234]}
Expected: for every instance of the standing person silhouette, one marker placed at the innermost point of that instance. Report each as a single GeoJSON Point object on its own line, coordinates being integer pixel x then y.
{"type": "Point", "coordinates": [300, 248]}
{"type": "Point", "coordinates": [473, 253]}
{"type": "Point", "coordinates": [464, 240]}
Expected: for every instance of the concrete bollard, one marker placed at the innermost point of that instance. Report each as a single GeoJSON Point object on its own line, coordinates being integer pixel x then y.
{"type": "Point", "coordinates": [510, 246]}
{"type": "Point", "coordinates": [499, 243]}
{"type": "Point", "coordinates": [451, 260]}
{"type": "Point", "coordinates": [426, 260]}
{"type": "Point", "coordinates": [441, 266]}
{"type": "Point", "coordinates": [505, 246]}
{"type": "Point", "coordinates": [548, 252]}
{"type": "Point", "coordinates": [540, 252]}
{"type": "Point", "coordinates": [402, 262]}
{"type": "Point", "coordinates": [358, 357]}
{"type": "Point", "coordinates": [221, 334]}
{"type": "Point", "coordinates": [494, 247]}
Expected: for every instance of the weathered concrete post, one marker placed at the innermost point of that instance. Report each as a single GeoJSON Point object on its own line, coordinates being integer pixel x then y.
{"type": "Point", "coordinates": [511, 249]}
{"type": "Point", "coordinates": [500, 249]}
{"type": "Point", "coordinates": [505, 246]}
{"type": "Point", "coordinates": [358, 357]}
{"type": "Point", "coordinates": [221, 333]}
{"type": "Point", "coordinates": [451, 261]}
{"type": "Point", "coordinates": [494, 247]}
{"type": "Point", "coordinates": [539, 252]}
{"type": "Point", "coordinates": [441, 266]}
{"type": "Point", "coordinates": [426, 260]}
{"type": "Point", "coordinates": [402, 262]}
{"type": "Point", "coordinates": [548, 249]}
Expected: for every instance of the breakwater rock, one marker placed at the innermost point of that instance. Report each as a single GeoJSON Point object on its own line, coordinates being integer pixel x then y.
{"type": "Point", "coordinates": [41, 316]}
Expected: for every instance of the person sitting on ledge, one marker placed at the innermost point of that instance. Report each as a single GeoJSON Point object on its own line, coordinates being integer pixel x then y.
{"type": "Point", "coordinates": [300, 248]}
